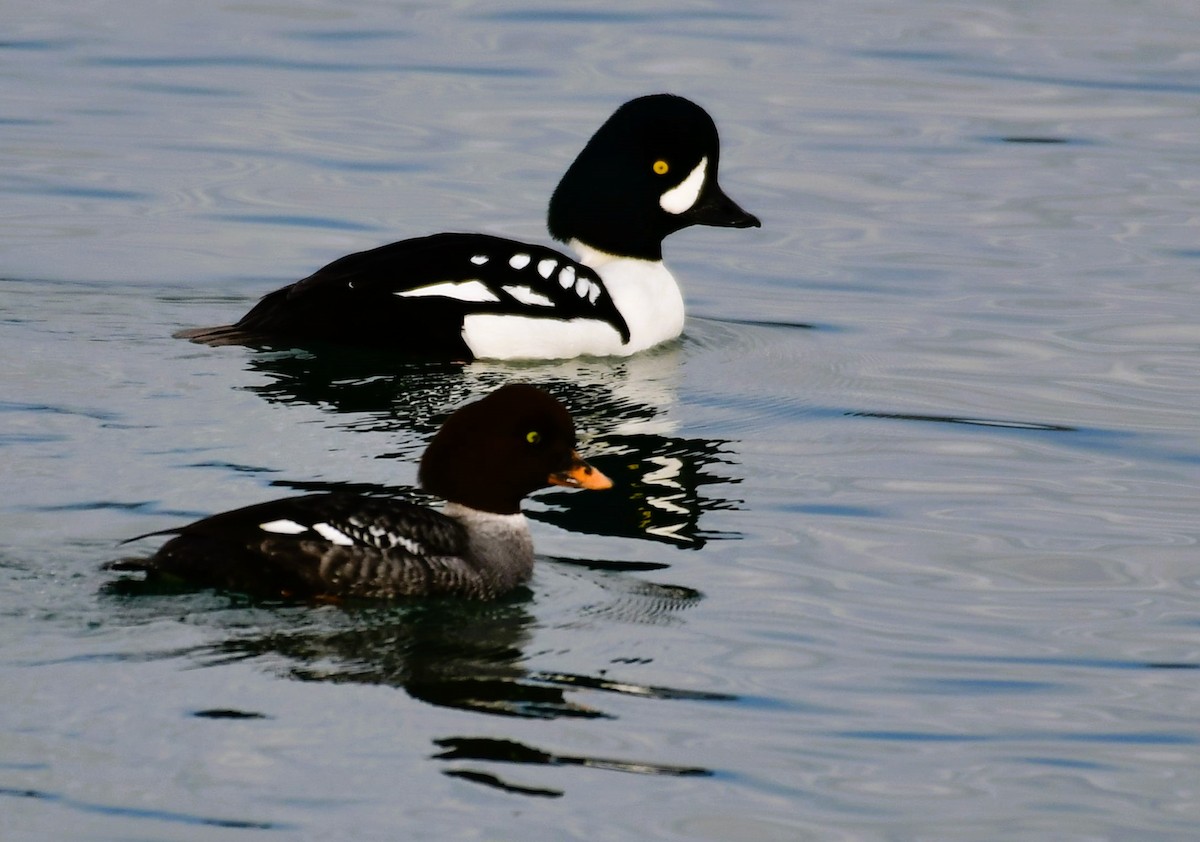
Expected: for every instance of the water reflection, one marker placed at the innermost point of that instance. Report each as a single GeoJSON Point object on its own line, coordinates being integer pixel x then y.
{"type": "Point", "coordinates": [469, 656]}
{"type": "Point", "coordinates": [510, 751]}
{"type": "Point", "coordinates": [623, 410]}
{"type": "Point", "coordinates": [450, 653]}
{"type": "Point", "coordinates": [97, 808]}
{"type": "Point", "coordinates": [455, 654]}
{"type": "Point", "coordinates": [964, 420]}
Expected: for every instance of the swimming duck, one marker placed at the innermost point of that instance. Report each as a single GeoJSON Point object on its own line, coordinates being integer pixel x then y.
{"type": "Point", "coordinates": [486, 458]}
{"type": "Point", "coordinates": [649, 171]}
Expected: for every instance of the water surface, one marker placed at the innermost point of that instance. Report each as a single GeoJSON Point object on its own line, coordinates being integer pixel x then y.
{"type": "Point", "coordinates": [904, 545]}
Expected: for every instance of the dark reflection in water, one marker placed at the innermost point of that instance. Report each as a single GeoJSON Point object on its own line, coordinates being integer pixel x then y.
{"type": "Point", "coordinates": [1033, 139]}
{"type": "Point", "coordinates": [495, 782]}
{"type": "Point", "coordinates": [660, 495]}
{"type": "Point", "coordinates": [620, 409]}
{"type": "Point", "coordinates": [96, 808]}
{"type": "Point", "coordinates": [450, 653]}
{"type": "Point", "coordinates": [228, 713]}
{"type": "Point", "coordinates": [965, 420]}
{"type": "Point", "coordinates": [457, 654]}
{"type": "Point", "coordinates": [509, 751]}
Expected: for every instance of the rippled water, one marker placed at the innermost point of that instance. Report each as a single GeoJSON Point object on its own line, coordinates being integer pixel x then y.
{"type": "Point", "coordinates": [905, 543]}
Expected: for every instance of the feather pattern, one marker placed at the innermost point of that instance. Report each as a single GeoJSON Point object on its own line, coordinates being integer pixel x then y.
{"type": "Point", "coordinates": [409, 287]}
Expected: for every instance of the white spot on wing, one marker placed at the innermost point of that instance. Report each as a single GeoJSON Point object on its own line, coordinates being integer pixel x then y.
{"type": "Point", "coordinates": [684, 194]}
{"type": "Point", "coordinates": [519, 261]}
{"type": "Point", "coordinates": [581, 287]}
{"type": "Point", "coordinates": [546, 267]}
{"type": "Point", "coordinates": [479, 259]}
{"type": "Point", "coordinates": [408, 544]}
{"type": "Point", "coordinates": [380, 537]}
{"type": "Point", "coordinates": [462, 290]}
{"type": "Point", "coordinates": [527, 296]}
{"type": "Point", "coordinates": [593, 291]}
{"type": "Point", "coordinates": [334, 536]}
{"type": "Point", "coordinates": [283, 527]}
{"type": "Point", "coordinates": [566, 278]}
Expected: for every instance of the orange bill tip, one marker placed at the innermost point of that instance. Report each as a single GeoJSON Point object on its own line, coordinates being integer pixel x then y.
{"type": "Point", "coordinates": [581, 475]}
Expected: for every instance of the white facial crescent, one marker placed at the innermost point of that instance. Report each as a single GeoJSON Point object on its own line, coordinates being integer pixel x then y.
{"type": "Point", "coordinates": [683, 195]}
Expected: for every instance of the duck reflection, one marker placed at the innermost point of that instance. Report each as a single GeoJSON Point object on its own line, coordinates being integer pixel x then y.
{"type": "Point", "coordinates": [509, 751]}
{"type": "Point", "coordinates": [448, 653]}
{"type": "Point", "coordinates": [623, 409]}
{"type": "Point", "coordinates": [454, 653]}
{"type": "Point", "coordinates": [451, 653]}
{"type": "Point", "coordinates": [457, 654]}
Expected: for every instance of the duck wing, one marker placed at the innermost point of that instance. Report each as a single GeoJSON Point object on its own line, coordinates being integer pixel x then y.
{"type": "Point", "coordinates": [413, 295]}
{"type": "Point", "coordinates": [317, 544]}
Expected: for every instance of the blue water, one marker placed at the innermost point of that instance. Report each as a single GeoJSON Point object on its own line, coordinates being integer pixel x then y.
{"type": "Point", "coordinates": [905, 540]}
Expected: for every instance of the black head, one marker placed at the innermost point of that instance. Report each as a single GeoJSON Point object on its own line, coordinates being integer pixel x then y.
{"type": "Point", "coordinates": [649, 171]}
{"type": "Point", "coordinates": [492, 453]}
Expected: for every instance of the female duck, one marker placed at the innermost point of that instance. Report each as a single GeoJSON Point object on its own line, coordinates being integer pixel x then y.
{"type": "Point", "coordinates": [486, 458]}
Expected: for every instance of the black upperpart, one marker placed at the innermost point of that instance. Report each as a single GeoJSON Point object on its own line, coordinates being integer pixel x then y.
{"type": "Point", "coordinates": [356, 299]}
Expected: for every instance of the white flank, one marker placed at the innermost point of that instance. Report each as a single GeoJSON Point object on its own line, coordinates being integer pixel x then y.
{"type": "Point", "coordinates": [527, 296]}
{"type": "Point", "coordinates": [332, 535]}
{"type": "Point", "coordinates": [462, 290]}
{"type": "Point", "coordinates": [283, 527]}
{"type": "Point", "coordinates": [645, 293]}
{"type": "Point", "coordinates": [683, 195]}
{"type": "Point", "coordinates": [503, 337]}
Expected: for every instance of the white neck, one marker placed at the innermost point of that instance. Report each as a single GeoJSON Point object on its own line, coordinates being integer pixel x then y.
{"type": "Point", "coordinates": [589, 256]}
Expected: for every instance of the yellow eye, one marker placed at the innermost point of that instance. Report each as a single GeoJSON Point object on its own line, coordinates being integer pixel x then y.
{"type": "Point", "coordinates": [661, 167]}
{"type": "Point", "coordinates": [533, 437]}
